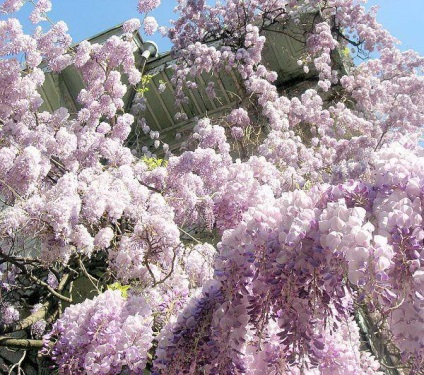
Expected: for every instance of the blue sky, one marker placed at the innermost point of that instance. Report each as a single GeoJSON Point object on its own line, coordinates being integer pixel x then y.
{"type": "Point", "coordinates": [85, 18]}
{"type": "Point", "coordinates": [404, 20]}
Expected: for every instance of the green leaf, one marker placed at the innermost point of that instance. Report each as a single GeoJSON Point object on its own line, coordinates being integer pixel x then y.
{"type": "Point", "coordinates": [120, 287]}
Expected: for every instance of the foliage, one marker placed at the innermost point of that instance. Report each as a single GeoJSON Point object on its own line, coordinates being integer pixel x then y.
{"type": "Point", "coordinates": [319, 220]}
{"type": "Point", "coordinates": [142, 88]}
{"type": "Point", "coordinates": [122, 288]}
{"type": "Point", "coordinates": [153, 163]}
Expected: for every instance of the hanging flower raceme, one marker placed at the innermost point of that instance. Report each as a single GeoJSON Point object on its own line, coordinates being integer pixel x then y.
{"type": "Point", "coordinates": [254, 265]}
{"type": "Point", "coordinates": [352, 243]}
{"type": "Point", "coordinates": [102, 336]}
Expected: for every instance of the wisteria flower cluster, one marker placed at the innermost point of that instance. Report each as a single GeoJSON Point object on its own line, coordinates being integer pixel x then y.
{"type": "Point", "coordinates": [299, 263]}
{"type": "Point", "coordinates": [103, 336]}
{"type": "Point", "coordinates": [285, 236]}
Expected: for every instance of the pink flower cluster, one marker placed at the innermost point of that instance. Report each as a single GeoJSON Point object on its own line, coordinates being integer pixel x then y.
{"type": "Point", "coordinates": [323, 244]}
{"type": "Point", "coordinates": [102, 336]}
{"type": "Point", "coordinates": [252, 265]}
{"type": "Point", "coordinates": [145, 6]}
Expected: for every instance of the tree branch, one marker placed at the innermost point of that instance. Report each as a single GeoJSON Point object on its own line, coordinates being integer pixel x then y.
{"type": "Point", "coordinates": [35, 317]}
{"type": "Point", "coordinates": [25, 272]}
{"type": "Point", "coordinates": [14, 192]}
{"type": "Point", "coordinates": [27, 322]}
{"type": "Point", "coordinates": [13, 342]}
{"type": "Point", "coordinates": [50, 289]}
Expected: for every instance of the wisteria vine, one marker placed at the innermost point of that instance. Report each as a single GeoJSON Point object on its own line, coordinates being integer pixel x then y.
{"type": "Point", "coordinates": [285, 237]}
